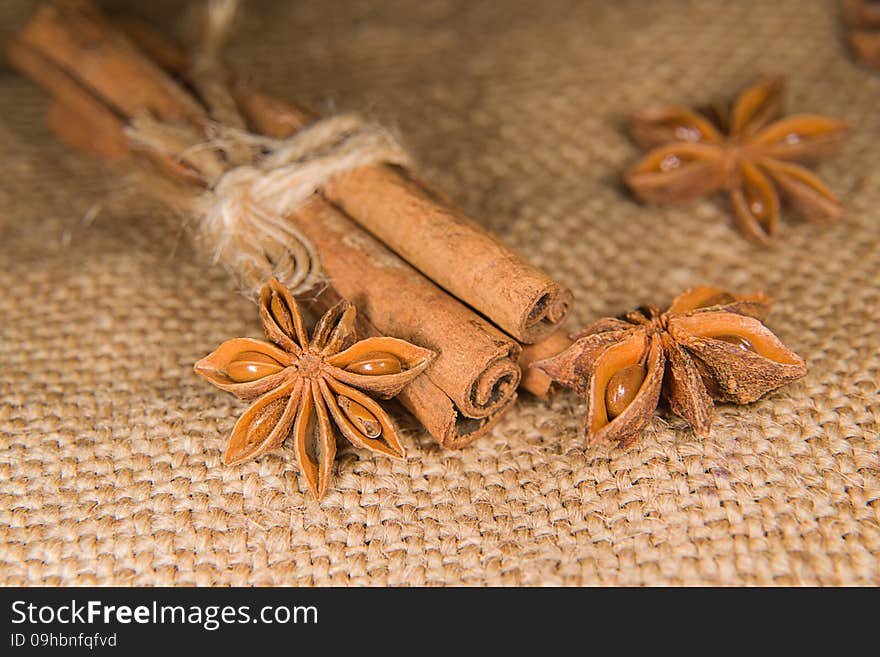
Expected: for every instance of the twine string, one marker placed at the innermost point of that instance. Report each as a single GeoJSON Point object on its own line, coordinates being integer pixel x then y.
{"type": "Point", "coordinates": [255, 183]}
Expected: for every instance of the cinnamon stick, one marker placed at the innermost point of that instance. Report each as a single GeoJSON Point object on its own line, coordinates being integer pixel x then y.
{"type": "Point", "coordinates": [535, 381]}
{"type": "Point", "coordinates": [428, 403]}
{"type": "Point", "coordinates": [419, 224]}
{"type": "Point", "coordinates": [74, 33]}
{"type": "Point", "coordinates": [476, 371]}
{"type": "Point", "coordinates": [88, 123]}
{"type": "Point", "coordinates": [441, 242]}
{"type": "Point", "coordinates": [277, 118]}
{"type": "Point", "coordinates": [475, 378]}
{"type": "Point", "coordinates": [452, 250]}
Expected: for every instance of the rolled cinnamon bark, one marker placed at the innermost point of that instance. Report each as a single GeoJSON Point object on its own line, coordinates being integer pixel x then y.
{"type": "Point", "coordinates": [452, 250]}
{"type": "Point", "coordinates": [439, 240]}
{"type": "Point", "coordinates": [475, 377]}
{"type": "Point", "coordinates": [408, 208]}
{"type": "Point", "coordinates": [424, 228]}
{"type": "Point", "coordinates": [83, 121]}
{"type": "Point", "coordinates": [477, 363]}
{"type": "Point", "coordinates": [76, 35]}
{"type": "Point", "coordinates": [433, 408]}
{"type": "Point", "coordinates": [453, 426]}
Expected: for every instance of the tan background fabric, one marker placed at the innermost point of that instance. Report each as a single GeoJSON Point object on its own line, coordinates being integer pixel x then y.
{"type": "Point", "coordinates": [110, 456]}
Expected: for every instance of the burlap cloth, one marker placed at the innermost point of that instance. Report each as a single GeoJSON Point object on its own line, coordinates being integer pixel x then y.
{"type": "Point", "coordinates": [110, 466]}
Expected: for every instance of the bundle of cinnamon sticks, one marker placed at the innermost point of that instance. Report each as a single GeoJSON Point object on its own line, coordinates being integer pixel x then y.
{"type": "Point", "coordinates": [415, 265]}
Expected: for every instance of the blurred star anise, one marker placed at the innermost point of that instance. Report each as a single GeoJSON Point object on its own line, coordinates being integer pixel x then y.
{"type": "Point", "coordinates": [709, 344]}
{"type": "Point", "coordinates": [863, 19]}
{"type": "Point", "coordinates": [307, 385]}
{"type": "Point", "coordinates": [749, 152]}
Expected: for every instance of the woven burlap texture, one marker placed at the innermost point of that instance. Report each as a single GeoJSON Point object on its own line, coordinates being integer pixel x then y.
{"type": "Point", "coordinates": [110, 461]}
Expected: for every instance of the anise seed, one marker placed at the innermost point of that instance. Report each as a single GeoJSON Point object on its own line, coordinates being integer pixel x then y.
{"type": "Point", "coordinates": [365, 421]}
{"type": "Point", "coordinates": [622, 389]}
{"type": "Point", "coordinates": [252, 365]}
{"type": "Point", "coordinates": [736, 340]}
{"type": "Point", "coordinates": [375, 363]}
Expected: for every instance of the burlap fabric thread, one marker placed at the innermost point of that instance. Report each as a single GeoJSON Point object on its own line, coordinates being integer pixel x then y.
{"type": "Point", "coordinates": [110, 466]}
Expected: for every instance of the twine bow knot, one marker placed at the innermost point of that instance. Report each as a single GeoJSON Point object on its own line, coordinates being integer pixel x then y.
{"type": "Point", "coordinates": [243, 216]}
{"type": "Point", "coordinates": [253, 182]}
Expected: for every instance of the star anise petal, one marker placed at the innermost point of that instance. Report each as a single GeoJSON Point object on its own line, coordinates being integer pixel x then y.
{"type": "Point", "coordinates": [336, 329]}
{"type": "Point", "coordinates": [741, 359]}
{"type": "Point", "coordinates": [361, 420]}
{"type": "Point", "coordinates": [602, 326]}
{"type": "Point", "coordinates": [616, 374]}
{"type": "Point", "coordinates": [314, 440]}
{"type": "Point", "coordinates": [803, 190]}
{"type": "Point", "coordinates": [684, 390]}
{"type": "Point", "coordinates": [800, 138]}
{"type": "Point", "coordinates": [755, 203]}
{"type": "Point", "coordinates": [245, 367]}
{"type": "Point", "coordinates": [757, 106]}
{"type": "Point", "coordinates": [664, 125]}
{"type": "Point", "coordinates": [264, 425]}
{"type": "Point", "coordinates": [573, 366]}
{"type": "Point", "coordinates": [282, 320]}
{"type": "Point", "coordinates": [620, 375]}
{"type": "Point", "coordinates": [381, 365]}
{"type": "Point", "coordinates": [706, 299]}
{"type": "Point", "coordinates": [678, 172]}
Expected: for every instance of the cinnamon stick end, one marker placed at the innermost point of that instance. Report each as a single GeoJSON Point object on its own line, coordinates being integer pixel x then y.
{"type": "Point", "coordinates": [547, 312]}
{"type": "Point", "coordinates": [536, 381]}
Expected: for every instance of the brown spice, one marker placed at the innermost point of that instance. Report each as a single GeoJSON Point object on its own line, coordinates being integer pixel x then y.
{"type": "Point", "coordinates": [307, 385]}
{"type": "Point", "coordinates": [470, 384]}
{"type": "Point", "coordinates": [476, 369]}
{"type": "Point", "coordinates": [419, 224]}
{"type": "Point", "coordinates": [534, 380]}
{"type": "Point", "coordinates": [862, 17]}
{"type": "Point", "coordinates": [709, 344]}
{"type": "Point", "coordinates": [749, 152]}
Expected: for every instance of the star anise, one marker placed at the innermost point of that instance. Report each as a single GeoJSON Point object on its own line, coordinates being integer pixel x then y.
{"type": "Point", "coordinates": [749, 152]}
{"type": "Point", "coordinates": [305, 386]}
{"type": "Point", "coordinates": [863, 19]}
{"type": "Point", "coordinates": [709, 344]}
